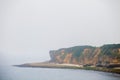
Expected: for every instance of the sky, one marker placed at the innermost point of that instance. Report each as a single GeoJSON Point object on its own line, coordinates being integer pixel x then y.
{"type": "Point", "coordinates": [29, 29]}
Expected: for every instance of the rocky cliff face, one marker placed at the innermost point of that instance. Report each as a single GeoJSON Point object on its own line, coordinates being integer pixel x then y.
{"type": "Point", "coordinates": [87, 55]}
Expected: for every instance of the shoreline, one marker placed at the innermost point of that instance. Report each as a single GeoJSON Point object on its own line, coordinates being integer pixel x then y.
{"type": "Point", "coordinates": [68, 66]}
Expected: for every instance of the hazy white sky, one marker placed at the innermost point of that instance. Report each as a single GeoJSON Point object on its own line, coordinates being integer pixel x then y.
{"type": "Point", "coordinates": [30, 28]}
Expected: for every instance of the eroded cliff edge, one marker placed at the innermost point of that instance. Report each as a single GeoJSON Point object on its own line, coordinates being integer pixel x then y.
{"type": "Point", "coordinates": [106, 55]}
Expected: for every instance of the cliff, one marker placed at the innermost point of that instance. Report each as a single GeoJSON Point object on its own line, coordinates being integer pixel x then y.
{"type": "Point", "coordinates": [106, 55]}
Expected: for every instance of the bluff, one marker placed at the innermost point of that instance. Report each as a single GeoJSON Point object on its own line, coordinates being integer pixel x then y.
{"type": "Point", "coordinates": [108, 54]}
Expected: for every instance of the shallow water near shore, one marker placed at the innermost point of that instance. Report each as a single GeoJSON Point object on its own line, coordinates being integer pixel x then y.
{"type": "Point", "coordinates": [17, 73]}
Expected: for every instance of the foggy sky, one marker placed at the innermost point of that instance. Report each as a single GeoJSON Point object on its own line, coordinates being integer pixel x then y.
{"type": "Point", "coordinates": [30, 28]}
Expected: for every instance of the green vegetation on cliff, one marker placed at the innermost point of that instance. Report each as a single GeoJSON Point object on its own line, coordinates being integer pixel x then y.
{"type": "Point", "coordinates": [111, 50]}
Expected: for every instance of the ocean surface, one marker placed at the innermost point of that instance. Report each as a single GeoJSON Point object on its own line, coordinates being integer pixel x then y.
{"type": "Point", "coordinates": [17, 73]}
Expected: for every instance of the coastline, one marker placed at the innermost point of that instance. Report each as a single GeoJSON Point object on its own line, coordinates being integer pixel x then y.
{"type": "Point", "coordinates": [68, 66]}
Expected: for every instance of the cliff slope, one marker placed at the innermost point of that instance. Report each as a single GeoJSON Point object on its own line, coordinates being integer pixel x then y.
{"type": "Point", "coordinates": [87, 55]}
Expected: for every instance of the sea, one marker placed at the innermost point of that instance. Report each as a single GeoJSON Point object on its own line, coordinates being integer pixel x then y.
{"type": "Point", "coordinates": [9, 72]}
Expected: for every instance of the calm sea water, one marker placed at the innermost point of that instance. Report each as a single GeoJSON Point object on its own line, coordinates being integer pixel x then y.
{"type": "Point", "coordinates": [16, 73]}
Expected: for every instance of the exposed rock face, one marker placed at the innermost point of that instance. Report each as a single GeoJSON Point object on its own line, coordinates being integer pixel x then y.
{"type": "Point", "coordinates": [87, 55]}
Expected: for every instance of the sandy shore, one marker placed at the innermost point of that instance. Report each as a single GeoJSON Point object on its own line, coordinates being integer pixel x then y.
{"type": "Point", "coordinates": [68, 66]}
{"type": "Point", "coordinates": [50, 65]}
